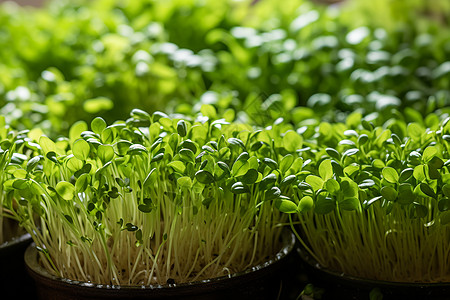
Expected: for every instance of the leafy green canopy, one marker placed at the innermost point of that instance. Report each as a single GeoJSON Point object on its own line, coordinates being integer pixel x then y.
{"type": "Point", "coordinates": [147, 185]}
{"type": "Point", "coordinates": [155, 197]}
{"type": "Point", "coordinates": [372, 199]}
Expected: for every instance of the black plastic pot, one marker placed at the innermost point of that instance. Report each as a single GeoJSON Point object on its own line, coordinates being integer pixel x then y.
{"type": "Point", "coordinates": [260, 282]}
{"type": "Point", "coordinates": [14, 279]}
{"type": "Point", "coordinates": [341, 286]}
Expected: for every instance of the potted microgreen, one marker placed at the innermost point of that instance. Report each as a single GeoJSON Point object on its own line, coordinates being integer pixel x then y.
{"type": "Point", "coordinates": [372, 203]}
{"type": "Point", "coordinates": [13, 239]}
{"type": "Point", "coordinates": [154, 204]}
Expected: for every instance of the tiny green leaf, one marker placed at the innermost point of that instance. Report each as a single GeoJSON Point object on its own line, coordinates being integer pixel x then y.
{"type": "Point", "coordinates": [433, 173]}
{"type": "Point", "coordinates": [419, 173]}
{"type": "Point", "coordinates": [177, 166]}
{"type": "Point", "coordinates": [82, 183]}
{"type": "Point", "coordinates": [204, 177]}
{"type": "Point", "coordinates": [286, 206]}
{"type": "Point", "coordinates": [145, 208]}
{"type": "Point", "coordinates": [351, 152]}
{"type": "Point", "coordinates": [69, 219]}
{"type": "Point", "coordinates": [150, 178]}
{"type": "Point", "coordinates": [138, 236]}
{"type": "Point", "coordinates": [333, 153]}
{"type": "Point", "coordinates": [414, 130]}
{"type": "Point", "coordinates": [105, 153]}
{"type": "Point", "coordinates": [288, 180]}
{"type": "Point", "coordinates": [390, 174]}
{"type": "Point", "coordinates": [286, 163]}
{"type": "Point", "coordinates": [367, 125]}
{"type": "Point", "coordinates": [140, 114]}
{"type": "Point", "coordinates": [332, 186]}
{"type": "Point", "coordinates": [250, 177]}
{"type": "Point", "coordinates": [65, 189]}
{"type": "Point", "coordinates": [389, 193]}
{"type": "Point", "coordinates": [326, 169]}
{"type": "Point", "coordinates": [224, 167]}
{"type": "Point", "coordinates": [157, 157]}
{"type": "Point", "coordinates": [446, 189]}
{"type": "Point", "coordinates": [272, 193]}
{"type": "Point", "coordinates": [136, 149]}
{"type": "Point", "coordinates": [208, 111]}
{"type": "Point", "coordinates": [305, 204]}
{"type": "Point", "coordinates": [292, 141]}
{"type": "Point", "coordinates": [243, 156]}
{"type": "Point", "coordinates": [73, 163]}
{"type": "Point", "coordinates": [130, 227]}
{"type": "Point", "coordinates": [184, 182]}
{"type": "Point", "coordinates": [315, 182]}
{"type": "Point", "coordinates": [98, 125]}
{"type": "Point", "coordinates": [33, 162]}
{"type": "Point", "coordinates": [187, 144]}
{"type": "Point", "coordinates": [52, 157]}
{"type": "Point", "coordinates": [47, 144]}
{"type": "Point", "coordinates": [362, 139]}
{"type": "Point", "coordinates": [76, 129]}
{"type": "Point", "coordinates": [96, 105]}
{"type": "Point", "coordinates": [418, 211]}
{"type": "Point", "coordinates": [81, 149]}
{"type": "Point", "coordinates": [182, 128]}
{"type": "Point", "coordinates": [405, 194]}
{"type": "Point", "coordinates": [378, 164]}
{"type": "Point", "coordinates": [271, 163]}
{"type": "Point", "coordinates": [236, 141]}
{"type": "Point", "coordinates": [20, 184]}
{"type": "Point", "coordinates": [351, 203]}
{"type": "Point", "coordinates": [324, 205]}
{"type": "Point", "coordinates": [349, 188]}
{"type": "Point", "coordinates": [367, 183]}
{"type": "Point", "coordinates": [267, 181]}
{"type": "Point", "coordinates": [429, 153]}
{"type": "Point", "coordinates": [406, 174]}
{"type": "Point", "coordinates": [256, 145]}
{"type": "Point", "coordinates": [337, 168]}
{"type": "Point", "coordinates": [368, 203]}
{"type": "Point", "coordinates": [239, 188]}
{"type": "Point", "coordinates": [240, 167]}
{"type": "Point", "coordinates": [122, 147]}
{"type": "Point", "coordinates": [435, 163]}
{"type": "Point", "coordinates": [397, 141]}
{"type": "Point", "coordinates": [427, 190]}
{"type": "Point", "coordinates": [85, 169]}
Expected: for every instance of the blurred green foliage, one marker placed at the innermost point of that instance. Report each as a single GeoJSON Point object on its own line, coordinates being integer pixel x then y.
{"type": "Point", "coordinates": [71, 60]}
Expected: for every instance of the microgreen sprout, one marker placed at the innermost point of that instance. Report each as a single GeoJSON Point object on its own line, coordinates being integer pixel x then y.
{"type": "Point", "coordinates": [373, 201]}
{"type": "Point", "coordinates": [9, 142]}
{"type": "Point", "coordinates": [154, 199]}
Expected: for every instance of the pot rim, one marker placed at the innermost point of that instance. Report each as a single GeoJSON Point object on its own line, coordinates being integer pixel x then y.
{"type": "Point", "coordinates": [345, 278]}
{"type": "Point", "coordinates": [258, 271]}
{"type": "Point", "coordinates": [15, 241]}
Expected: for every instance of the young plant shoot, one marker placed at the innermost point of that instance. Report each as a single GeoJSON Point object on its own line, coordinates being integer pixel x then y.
{"type": "Point", "coordinates": [153, 200]}
{"type": "Point", "coordinates": [9, 142]}
{"type": "Point", "coordinates": [373, 202]}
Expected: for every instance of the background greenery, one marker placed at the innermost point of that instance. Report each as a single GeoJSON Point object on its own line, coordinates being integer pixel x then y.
{"type": "Point", "coordinates": [73, 60]}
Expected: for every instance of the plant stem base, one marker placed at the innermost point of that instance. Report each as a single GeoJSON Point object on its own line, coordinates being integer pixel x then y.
{"type": "Point", "coordinates": [262, 282]}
